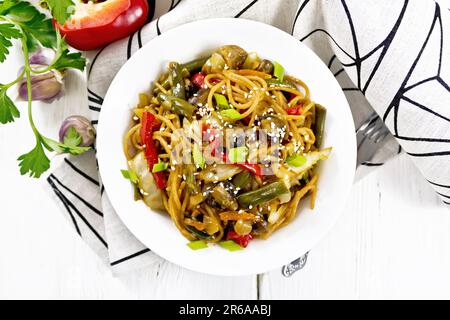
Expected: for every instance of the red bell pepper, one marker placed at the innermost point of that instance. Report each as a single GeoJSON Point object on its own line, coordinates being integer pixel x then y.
{"type": "Point", "coordinates": [295, 110]}
{"type": "Point", "coordinates": [240, 240]}
{"type": "Point", "coordinates": [93, 25]}
{"type": "Point", "coordinates": [198, 79]}
{"type": "Point", "coordinates": [149, 124]}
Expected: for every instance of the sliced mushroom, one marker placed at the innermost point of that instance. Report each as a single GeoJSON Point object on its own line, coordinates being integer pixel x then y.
{"type": "Point", "coordinates": [234, 55]}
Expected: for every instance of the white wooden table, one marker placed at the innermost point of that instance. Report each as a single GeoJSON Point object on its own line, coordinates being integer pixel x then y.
{"type": "Point", "coordinates": [392, 241]}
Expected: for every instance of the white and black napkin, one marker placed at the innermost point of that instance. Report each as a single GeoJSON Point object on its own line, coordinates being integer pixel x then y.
{"type": "Point", "coordinates": [389, 56]}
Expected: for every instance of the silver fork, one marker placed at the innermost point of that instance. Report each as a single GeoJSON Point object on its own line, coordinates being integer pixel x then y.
{"type": "Point", "coordinates": [370, 136]}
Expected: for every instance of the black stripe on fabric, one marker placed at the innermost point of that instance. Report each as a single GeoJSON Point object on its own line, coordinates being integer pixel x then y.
{"type": "Point", "coordinates": [355, 43]}
{"type": "Point", "coordinates": [61, 198]}
{"type": "Point", "coordinates": [129, 46]}
{"type": "Point", "coordinates": [71, 205]}
{"type": "Point", "coordinates": [246, 8]}
{"type": "Point", "coordinates": [339, 72]}
{"type": "Point", "coordinates": [298, 14]}
{"type": "Point", "coordinates": [332, 39]}
{"type": "Point", "coordinates": [79, 171]}
{"type": "Point", "coordinates": [97, 109]}
{"type": "Point", "coordinates": [139, 36]}
{"type": "Point", "coordinates": [395, 101]}
{"type": "Point", "coordinates": [134, 255]}
{"type": "Point", "coordinates": [350, 89]}
{"type": "Point", "coordinates": [173, 5]}
{"type": "Point", "coordinates": [94, 122]}
{"type": "Point", "coordinates": [102, 190]}
{"type": "Point", "coordinates": [443, 83]}
{"type": "Point", "coordinates": [421, 106]}
{"type": "Point", "coordinates": [330, 63]}
{"type": "Point", "coordinates": [442, 39]}
{"type": "Point", "coordinates": [152, 7]}
{"type": "Point", "coordinates": [158, 31]}
{"type": "Point", "coordinates": [439, 185]}
{"type": "Point", "coordinates": [385, 44]}
{"type": "Point", "coordinates": [95, 95]}
{"type": "Point", "coordinates": [422, 139]}
{"type": "Point", "coordinates": [370, 164]}
{"type": "Point", "coordinates": [90, 206]}
{"type": "Point", "coordinates": [446, 202]}
{"type": "Point", "coordinates": [443, 195]}
{"type": "Point", "coordinates": [95, 59]}
{"type": "Point", "coordinates": [95, 100]}
{"type": "Point", "coordinates": [419, 83]}
{"type": "Point", "coordinates": [430, 154]}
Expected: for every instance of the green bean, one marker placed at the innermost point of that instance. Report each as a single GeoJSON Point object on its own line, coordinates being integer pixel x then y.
{"type": "Point", "coordinates": [198, 234]}
{"type": "Point", "coordinates": [319, 124]}
{"type": "Point", "coordinates": [177, 105]}
{"type": "Point", "coordinates": [188, 171]}
{"type": "Point", "coordinates": [283, 84]}
{"type": "Point", "coordinates": [194, 65]}
{"type": "Point", "coordinates": [264, 194]}
{"type": "Point", "coordinates": [242, 180]}
{"type": "Point", "coordinates": [177, 81]}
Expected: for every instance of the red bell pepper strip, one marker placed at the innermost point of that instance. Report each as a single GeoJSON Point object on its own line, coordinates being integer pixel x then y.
{"type": "Point", "coordinates": [294, 111]}
{"type": "Point", "coordinates": [149, 124]}
{"type": "Point", "coordinates": [240, 240]}
{"type": "Point", "coordinates": [198, 79]}
{"type": "Point", "coordinates": [94, 25]}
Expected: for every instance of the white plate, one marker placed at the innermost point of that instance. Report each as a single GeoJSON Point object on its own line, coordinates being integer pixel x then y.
{"type": "Point", "coordinates": [191, 41]}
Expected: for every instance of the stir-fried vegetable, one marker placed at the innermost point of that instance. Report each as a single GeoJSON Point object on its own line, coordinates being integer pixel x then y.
{"type": "Point", "coordinates": [147, 185]}
{"type": "Point", "coordinates": [311, 159]}
{"type": "Point", "coordinates": [177, 81]}
{"type": "Point", "coordinates": [263, 194]}
{"type": "Point", "coordinates": [149, 124]}
{"type": "Point", "coordinates": [177, 105]}
{"type": "Point", "coordinates": [319, 124]}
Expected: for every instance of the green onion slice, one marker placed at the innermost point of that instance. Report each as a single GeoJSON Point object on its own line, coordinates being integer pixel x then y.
{"type": "Point", "coordinates": [197, 245]}
{"type": "Point", "coordinates": [278, 71]}
{"type": "Point", "coordinates": [130, 175]}
{"type": "Point", "coordinates": [238, 155]}
{"type": "Point", "coordinates": [221, 101]}
{"type": "Point", "coordinates": [160, 166]}
{"type": "Point", "coordinates": [231, 114]}
{"type": "Point", "coordinates": [199, 160]}
{"type": "Point", "coordinates": [230, 245]}
{"type": "Point", "coordinates": [296, 160]}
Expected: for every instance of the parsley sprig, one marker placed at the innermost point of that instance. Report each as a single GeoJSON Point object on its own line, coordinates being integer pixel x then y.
{"type": "Point", "coordinates": [20, 20]}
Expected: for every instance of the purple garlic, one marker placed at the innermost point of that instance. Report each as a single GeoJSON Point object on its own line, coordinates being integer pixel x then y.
{"type": "Point", "coordinates": [44, 87]}
{"type": "Point", "coordinates": [83, 127]}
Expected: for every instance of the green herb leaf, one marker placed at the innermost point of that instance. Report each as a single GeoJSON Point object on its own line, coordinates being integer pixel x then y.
{"type": "Point", "coordinates": [35, 162]}
{"type": "Point", "coordinates": [59, 147]}
{"type": "Point", "coordinates": [6, 5]}
{"type": "Point", "coordinates": [231, 114]}
{"type": "Point", "coordinates": [61, 9]}
{"type": "Point", "coordinates": [64, 59]}
{"type": "Point", "coordinates": [296, 160]}
{"type": "Point", "coordinates": [278, 71]}
{"type": "Point", "coordinates": [199, 160]}
{"type": "Point", "coordinates": [160, 166]}
{"type": "Point", "coordinates": [8, 111]}
{"type": "Point", "coordinates": [221, 101]}
{"type": "Point", "coordinates": [230, 245]}
{"type": "Point", "coordinates": [130, 175]}
{"type": "Point", "coordinates": [36, 26]}
{"type": "Point", "coordinates": [72, 137]}
{"type": "Point", "coordinates": [197, 245]}
{"type": "Point", "coordinates": [7, 32]}
{"type": "Point", "coordinates": [238, 155]}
